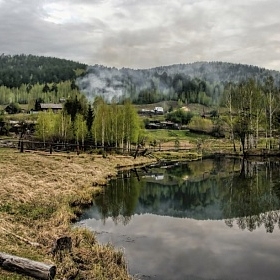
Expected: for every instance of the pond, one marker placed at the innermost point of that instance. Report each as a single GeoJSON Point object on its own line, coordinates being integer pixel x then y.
{"type": "Point", "coordinates": [208, 219]}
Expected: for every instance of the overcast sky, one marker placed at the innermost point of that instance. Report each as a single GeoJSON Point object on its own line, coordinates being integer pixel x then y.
{"type": "Point", "coordinates": [144, 33]}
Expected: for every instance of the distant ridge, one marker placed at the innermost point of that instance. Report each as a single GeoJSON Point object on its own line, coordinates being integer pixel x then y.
{"type": "Point", "coordinates": [196, 82]}
{"type": "Point", "coordinates": [209, 77]}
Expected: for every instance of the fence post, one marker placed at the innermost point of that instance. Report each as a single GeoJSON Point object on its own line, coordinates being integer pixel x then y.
{"type": "Point", "coordinates": [21, 146]}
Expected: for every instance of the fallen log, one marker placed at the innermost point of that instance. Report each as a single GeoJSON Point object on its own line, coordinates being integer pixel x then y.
{"type": "Point", "coordinates": [37, 270]}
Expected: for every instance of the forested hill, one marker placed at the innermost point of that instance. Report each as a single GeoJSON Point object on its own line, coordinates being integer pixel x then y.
{"type": "Point", "coordinates": [200, 82]}
{"type": "Point", "coordinates": [30, 69]}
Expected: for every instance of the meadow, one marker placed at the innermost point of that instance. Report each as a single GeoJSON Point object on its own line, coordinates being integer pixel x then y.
{"type": "Point", "coordinates": [41, 195]}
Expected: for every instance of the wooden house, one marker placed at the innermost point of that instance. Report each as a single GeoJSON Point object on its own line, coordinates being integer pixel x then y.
{"type": "Point", "coordinates": [51, 106]}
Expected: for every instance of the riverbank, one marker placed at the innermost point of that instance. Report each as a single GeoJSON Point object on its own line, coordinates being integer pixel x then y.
{"type": "Point", "coordinates": [41, 195]}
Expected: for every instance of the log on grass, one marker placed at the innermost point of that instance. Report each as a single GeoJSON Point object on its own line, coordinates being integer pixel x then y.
{"type": "Point", "coordinates": [37, 270]}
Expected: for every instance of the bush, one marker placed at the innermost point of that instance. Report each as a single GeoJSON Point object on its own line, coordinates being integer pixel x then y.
{"type": "Point", "coordinates": [179, 116]}
{"type": "Point", "coordinates": [13, 108]}
{"type": "Point", "coordinates": [200, 124]}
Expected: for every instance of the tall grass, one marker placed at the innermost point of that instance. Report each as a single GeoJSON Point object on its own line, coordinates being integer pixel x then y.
{"type": "Point", "coordinates": [40, 197]}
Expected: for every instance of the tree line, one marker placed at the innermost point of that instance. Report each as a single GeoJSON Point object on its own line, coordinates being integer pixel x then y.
{"type": "Point", "coordinates": [251, 108]}
{"type": "Point", "coordinates": [42, 93]}
{"type": "Point", "coordinates": [249, 94]}
{"type": "Point", "coordinates": [101, 124]}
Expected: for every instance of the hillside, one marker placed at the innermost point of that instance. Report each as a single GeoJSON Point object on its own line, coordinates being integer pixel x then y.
{"type": "Point", "coordinates": [200, 82]}
{"type": "Point", "coordinates": [30, 69]}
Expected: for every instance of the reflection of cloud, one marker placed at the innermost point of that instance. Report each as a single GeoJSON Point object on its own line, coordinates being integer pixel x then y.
{"type": "Point", "coordinates": [179, 248]}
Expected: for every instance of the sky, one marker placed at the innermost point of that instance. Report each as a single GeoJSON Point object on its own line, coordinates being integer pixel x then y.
{"type": "Point", "coordinates": [144, 33]}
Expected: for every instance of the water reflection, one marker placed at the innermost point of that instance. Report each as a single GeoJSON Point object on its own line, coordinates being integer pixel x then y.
{"type": "Point", "coordinates": [183, 221]}
{"type": "Point", "coordinates": [245, 193]}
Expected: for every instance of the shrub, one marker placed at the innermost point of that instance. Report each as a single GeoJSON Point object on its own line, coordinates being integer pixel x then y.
{"type": "Point", "coordinates": [200, 124]}
{"type": "Point", "coordinates": [179, 116]}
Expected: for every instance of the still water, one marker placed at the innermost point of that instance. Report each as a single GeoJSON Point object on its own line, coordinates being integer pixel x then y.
{"type": "Point", "coordinates": [202, 220]}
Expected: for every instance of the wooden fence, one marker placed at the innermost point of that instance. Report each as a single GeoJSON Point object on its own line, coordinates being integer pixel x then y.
{"type": "Point", "coordinates": [51, 147]}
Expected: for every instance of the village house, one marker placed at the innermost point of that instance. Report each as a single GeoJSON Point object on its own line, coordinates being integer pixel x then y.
{"type": "Point", "coordinates": [159, 110]}
{"type": "Point", "coordinates": [51, 106]}
{"type": "Point", "coordinates": [155, 111]}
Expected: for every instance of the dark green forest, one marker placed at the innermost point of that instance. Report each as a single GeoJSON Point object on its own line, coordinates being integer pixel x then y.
{"type": "Point", "coordinates": [27, 78]}
{"type": "Point", "coordinates": [30, 69]}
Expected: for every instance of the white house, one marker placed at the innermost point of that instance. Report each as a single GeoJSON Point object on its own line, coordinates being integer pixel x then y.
{"type": "Point", "coordinates": [159, 110]}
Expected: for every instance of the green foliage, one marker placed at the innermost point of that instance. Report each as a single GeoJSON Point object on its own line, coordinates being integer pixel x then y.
{"type": "Point", "coordinates": [201, 124]}
{"type": "Point", "coordinates": [73, 106]}
{"type": "Point", "coordinates": [7, 208]}
{"type": "Point", "coordinates": [80, 128]}
{"type": "Point", "coordinates": [218, 128]}
{"type": "Point", "coordinates": [214, 113]}
{"type": "Point", "coordinates": [33, 211]}
{"type": "Point", "coordinates": [63, 127]}
{"type": "Point", "coordinates": [37, 106]}
{"type": "Point", "coordinates": [13, 108]}
{"type": "Point", "coordinates": [29, 70]}
{"type": "Point", "coordinates": [115, 125]}
{"type": "Point", "coordinates": [21, 95]}
{"type": "Point", "coordinates": [45, 126]}
{"type": "Point", "coordinates": [179, 116]}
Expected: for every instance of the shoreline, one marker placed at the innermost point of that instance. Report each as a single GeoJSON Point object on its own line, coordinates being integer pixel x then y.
{"type": "Point", "coordinates": [41, 196]}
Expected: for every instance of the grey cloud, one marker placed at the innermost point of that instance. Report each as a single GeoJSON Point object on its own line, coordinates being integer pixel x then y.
{"type": "Point", "coordinates": [142, 34]}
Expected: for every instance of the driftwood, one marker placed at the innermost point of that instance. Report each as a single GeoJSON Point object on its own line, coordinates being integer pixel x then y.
{"type": "Point", "coordinates": [27, 267]}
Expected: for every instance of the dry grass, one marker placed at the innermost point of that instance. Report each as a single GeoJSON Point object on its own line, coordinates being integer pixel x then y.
{"type": "Point", "coordinates": [40, 197]}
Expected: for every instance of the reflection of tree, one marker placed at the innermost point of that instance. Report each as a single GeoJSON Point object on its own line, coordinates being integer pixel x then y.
{"type": "Point", "coordinates": [252, 201]}
{"type": "Point", "coordinates": [242, 192]}
{"type": "Point", "coordinates": [119, 199]}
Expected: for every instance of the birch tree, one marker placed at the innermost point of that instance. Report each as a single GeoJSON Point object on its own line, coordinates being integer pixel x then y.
{"type": "Point", "coordinates": [80, 129]}
{"type": "Point", "coordinates": [99, 124]}
{"type": "Point", "coordinates": [131, 124]}
{"type": "Point", "coordinates": [228, 103]}
{"type": "Point", "coordinates": [63, 127]}
{"type": "Point", "coordinates": [271, 105]}
{"type": "Point", "coordinates": [45, 127]}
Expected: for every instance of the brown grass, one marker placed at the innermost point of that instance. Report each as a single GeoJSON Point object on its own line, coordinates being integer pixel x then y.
{"type": "Point", "coordinates": [40, 197]}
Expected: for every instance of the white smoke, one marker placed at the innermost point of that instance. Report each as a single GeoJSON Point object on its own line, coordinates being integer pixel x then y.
{"type": "Point", "coordinates": [100, 81]}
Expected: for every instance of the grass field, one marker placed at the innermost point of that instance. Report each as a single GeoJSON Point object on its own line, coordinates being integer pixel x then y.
{"type": "Point", "coordinates": [41, 195]}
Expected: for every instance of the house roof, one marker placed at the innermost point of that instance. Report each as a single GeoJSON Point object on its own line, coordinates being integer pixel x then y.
{"type": "Point", "coordinates": [51, 106]}
{"type": "Point", "coordinates": [159, 109]}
